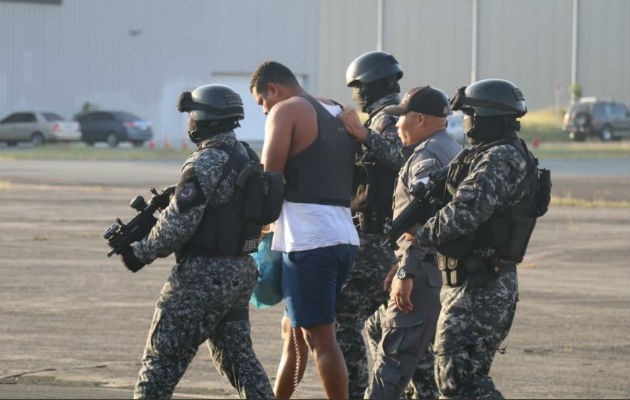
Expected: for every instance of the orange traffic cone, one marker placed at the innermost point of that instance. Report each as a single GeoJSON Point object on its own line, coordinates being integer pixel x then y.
{"type": "Point", "coordinates": [185, 143]}
{"type": "Point", "coordinates": [536, 141]}
{"type": "Point", "coordinates": [167, 143]}
{"type": "Point", "coordinates": [152, 144]}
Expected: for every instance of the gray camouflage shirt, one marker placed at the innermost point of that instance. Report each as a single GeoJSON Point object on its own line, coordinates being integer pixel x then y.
{"type": "Point", "coordinates": [197, 188]}
{"type": "Point", "coordinates": [492, 182]}
{"type": "Point", "coordinates": [383, 141]}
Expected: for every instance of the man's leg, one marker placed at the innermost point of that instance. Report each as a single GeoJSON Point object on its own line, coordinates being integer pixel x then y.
{"type": "Point", "coordinates": [169, 350]}
{"type": "Point", "coordinates": [422, 385]}
{"type": "Point", "coordinates": [329, 360]}
{"type": "Point", "coordinates": [472, 324]}
{"type": "Point", "coordinates": [360, 297]}
{"type": "Point", "coordinates": [373, 329]}
{"type": "Point", "coordinates": [401, 349]}
{"type": "Point", "coordinates": [231, 349]}
{"type": "Point", "coordinates": [406, 339]}
{"type": "Point", "coordinates": [294, 354]}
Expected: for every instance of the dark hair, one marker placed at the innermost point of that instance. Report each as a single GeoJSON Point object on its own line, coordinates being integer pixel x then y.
{"type": "Point", "coordinates": [271, 72]}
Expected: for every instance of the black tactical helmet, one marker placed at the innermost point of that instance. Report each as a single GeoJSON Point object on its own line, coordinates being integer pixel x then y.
{"type": "Point", "coordinates": [490, 97]}
{"type": "Point", "coordinates": [212, 103]}
{"type": "Point", "coordinates": [372, 66]}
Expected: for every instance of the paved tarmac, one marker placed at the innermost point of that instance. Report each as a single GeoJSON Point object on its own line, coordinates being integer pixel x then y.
{"type": "Point", "coordinates": [73, 322]}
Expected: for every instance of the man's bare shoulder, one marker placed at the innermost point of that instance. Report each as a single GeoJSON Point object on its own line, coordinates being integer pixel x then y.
{"type": "Point", "coordinates": [292, 105]}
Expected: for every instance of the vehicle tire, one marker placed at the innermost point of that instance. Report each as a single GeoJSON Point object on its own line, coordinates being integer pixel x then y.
{"type": "Point", "coordinates": [89, 144]}
{"type": "Point", "coordinates": [138, 143]}
{"type": "Point", "coordinates": [37, 139]}
{"type": "Point", "coordinates": [606, 134]}
{"type": "Point", "coordinates": [577, 136]}
{"type": "Point", "coordinates": [12, 144]}
{"type": "Point", "coordinates": [112, 140]}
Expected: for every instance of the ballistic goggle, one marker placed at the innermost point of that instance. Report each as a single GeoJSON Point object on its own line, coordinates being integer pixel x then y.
{"type": "Point", "coordinates": [466, 104]}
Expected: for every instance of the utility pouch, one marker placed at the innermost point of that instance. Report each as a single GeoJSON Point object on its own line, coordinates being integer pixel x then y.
{"type": "Point", "coordinates": [543, 191]}
{"type": "Point", "coordinates": [477, 271]}
{"type": "Point", "coordinates": [452, 273]}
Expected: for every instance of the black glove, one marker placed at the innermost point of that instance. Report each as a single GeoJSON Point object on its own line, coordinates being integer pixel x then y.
{"type": "Point", "coordinates": [130, 260]}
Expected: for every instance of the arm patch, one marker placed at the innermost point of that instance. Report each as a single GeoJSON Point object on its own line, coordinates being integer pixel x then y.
{"type": "Point", "coordinates": [465, 193]}
{"type": "Point", "coordinates": [188, 193]}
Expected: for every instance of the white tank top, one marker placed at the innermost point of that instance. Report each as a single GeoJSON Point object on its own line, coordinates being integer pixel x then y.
{"type": "Point", "coordinates": [306, 226]}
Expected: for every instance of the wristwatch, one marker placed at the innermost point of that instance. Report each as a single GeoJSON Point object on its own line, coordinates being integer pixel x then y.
{"type": "Point", "coordinates": [404, 274]}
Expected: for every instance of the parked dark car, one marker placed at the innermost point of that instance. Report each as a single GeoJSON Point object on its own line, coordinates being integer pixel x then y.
{"type": "Point", "coordinates": [114, 127]}
{"type": "Point", "coordinates": [37, 128]}
{"type": "Point", "coordinates": [594, 117]}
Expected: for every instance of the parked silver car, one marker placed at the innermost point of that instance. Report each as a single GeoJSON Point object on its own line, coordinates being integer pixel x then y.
{"type": "Point", "coordinates": [37, 128]}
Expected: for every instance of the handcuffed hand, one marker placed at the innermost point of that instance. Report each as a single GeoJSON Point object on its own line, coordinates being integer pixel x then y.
{"type": "Point", "coordinates": [352, 123]}
{"type": "Point", "coordinates": [130, 260]}
{"type": "Point", "coordinates": [401, 294]}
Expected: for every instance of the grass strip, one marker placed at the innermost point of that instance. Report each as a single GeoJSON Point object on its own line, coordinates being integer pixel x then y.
{"type": "Point", "coordinates": [581, 203]}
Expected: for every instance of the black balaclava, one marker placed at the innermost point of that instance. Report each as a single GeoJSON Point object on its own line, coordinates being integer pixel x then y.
{"type": "Point", "coordinates": [490, 129]}
{"type": "Point", "coordinates": [366, 94]}
{"type": "Point", "coordinates": [198, 131]}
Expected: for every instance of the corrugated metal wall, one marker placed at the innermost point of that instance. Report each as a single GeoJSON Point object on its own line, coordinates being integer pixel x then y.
{"type": "Point", "coordinates": [604, 49]}
{"type": "Point", "coordinates": [528, 42]}
{"type": "Point", "coordinates": [138, 55]}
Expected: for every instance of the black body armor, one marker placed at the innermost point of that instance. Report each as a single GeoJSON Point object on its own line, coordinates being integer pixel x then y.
{"type": "Point", "coordinates": [504, 237]}
{"type": "Point", "coordinates": [233, 228]}
{"type": "Point", "coordinates": [373, 190]}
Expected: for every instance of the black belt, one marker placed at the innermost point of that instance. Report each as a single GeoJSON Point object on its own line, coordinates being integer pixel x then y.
{"type": "Point", "coordinates": [429, 258]}
{"type": "Point", "coordinates": [500, 268]}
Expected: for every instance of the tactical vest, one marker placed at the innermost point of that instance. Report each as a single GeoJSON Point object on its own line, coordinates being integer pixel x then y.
{"type": "Point", "coordinates": [233, 228]}
{"type": "Point", "coordinates": [373, 188]}
{"type": "Point", "coordinates": [508, 230]}
{"type": "Point", "coordinates": [322, 173]}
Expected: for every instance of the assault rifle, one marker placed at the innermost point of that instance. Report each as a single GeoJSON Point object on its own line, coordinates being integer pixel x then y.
{"type": "Point", "coordinates": [426, 202]}
{"type": "Point", "coordinates": [120, 235]}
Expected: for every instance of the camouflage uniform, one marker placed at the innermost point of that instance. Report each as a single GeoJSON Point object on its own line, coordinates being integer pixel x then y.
{"type": "Point", "coordinates": [475, 319]}
{"type": "Point", "coordinates": [363, 293]}
{"type": "Point", "coordinates": [205, 298]}
{"type": "Point", "coordinates": [404, 352]}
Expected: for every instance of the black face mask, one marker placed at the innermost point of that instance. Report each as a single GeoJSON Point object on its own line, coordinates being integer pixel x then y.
{"type": "Point", "coordinates": [482, 130]}
{"type": "Point", "coordinates": [367, 94]}
{"type": "Point", "coordinates": [198, 131]}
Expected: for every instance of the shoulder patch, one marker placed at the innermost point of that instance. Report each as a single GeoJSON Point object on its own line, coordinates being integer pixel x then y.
{"type": "Point", "coordinates": [466, 192]}
{"type": "Point", "coordinates": [509, 155]}
{"type": "Point", "coordinates": [188, 193]}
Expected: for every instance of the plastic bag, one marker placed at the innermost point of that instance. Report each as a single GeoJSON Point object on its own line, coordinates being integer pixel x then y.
{"type": "Point", "coordinates": [268, 289]}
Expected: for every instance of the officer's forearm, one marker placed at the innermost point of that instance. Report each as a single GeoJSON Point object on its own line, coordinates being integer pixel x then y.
{"type": "Point", "coordinates": [387, 150]}
{"type": "Point", "coordinates": [170, 233]}
{"type": "Point", "coordinates": [452, 222]}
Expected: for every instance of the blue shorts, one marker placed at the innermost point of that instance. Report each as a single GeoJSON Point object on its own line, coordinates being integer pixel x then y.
{"type": "Point", "coordinates": [311, 282]}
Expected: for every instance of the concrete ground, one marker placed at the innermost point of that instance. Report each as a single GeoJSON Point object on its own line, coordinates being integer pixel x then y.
{"type": "Point", "coordinates": [73, 322]}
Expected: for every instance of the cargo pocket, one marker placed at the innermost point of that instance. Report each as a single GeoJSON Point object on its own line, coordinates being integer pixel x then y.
{"type": "Point", "coordinates": [401, 334]}
{"type": "Point", "coordinates": [173, 335]}
{"type": "Point", "coordinates": [434, 277]}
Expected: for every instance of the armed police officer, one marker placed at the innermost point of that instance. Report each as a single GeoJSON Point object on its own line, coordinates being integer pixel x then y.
{"type": "Point", "coordinates": [481, 234]}
{"type": "Point", "coordinates": [408, 326]}
{"type": "Point", "coordinates": [373, 77]}
{"type": "Point", "coordinates": [207, 293]}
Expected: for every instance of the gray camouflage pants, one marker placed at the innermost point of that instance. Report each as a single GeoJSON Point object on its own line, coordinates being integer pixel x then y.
{"type": "Point", "coordinates": [204, 299]}
{"type": "Point", "coordinates": [471, 326]}
{"type": "Point", "coordinates": [360, 297]}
